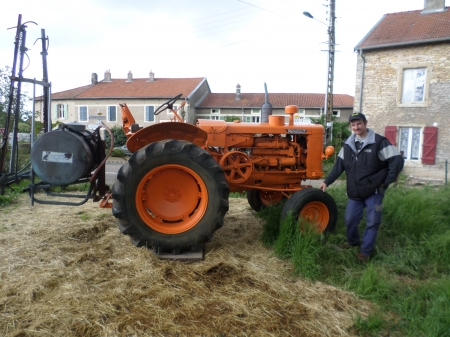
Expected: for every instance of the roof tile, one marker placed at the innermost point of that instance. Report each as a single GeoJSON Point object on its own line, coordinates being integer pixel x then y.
{"type": "Point", "coordinates": [408, 28]}
{"type": "Point", "coordinates": [278, 100]}
{"type": "Point", "coordinates": [138, 88]}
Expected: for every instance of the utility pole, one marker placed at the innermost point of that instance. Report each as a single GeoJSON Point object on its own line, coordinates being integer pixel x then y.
{"type": "Point", "coordinates": [46, 96]}
{"type": "Point", "coordinates": [330, 76]}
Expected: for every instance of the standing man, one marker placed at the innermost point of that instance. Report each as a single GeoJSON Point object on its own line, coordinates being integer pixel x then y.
{"type": "Point", "coordinates": [371, 164]}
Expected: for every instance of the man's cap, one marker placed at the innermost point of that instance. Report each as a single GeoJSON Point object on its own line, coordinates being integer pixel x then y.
{"type": "Point", "coordinates": [357, 115]}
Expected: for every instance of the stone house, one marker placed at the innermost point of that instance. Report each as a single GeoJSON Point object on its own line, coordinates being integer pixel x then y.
{"type": "Point", "coordinates": [247, 106]}
{"type": "Point", "coordinates": [403, 85]}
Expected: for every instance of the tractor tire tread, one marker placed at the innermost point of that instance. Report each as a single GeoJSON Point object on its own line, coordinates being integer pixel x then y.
{"type": "Point", "coordinates": [160, 153]}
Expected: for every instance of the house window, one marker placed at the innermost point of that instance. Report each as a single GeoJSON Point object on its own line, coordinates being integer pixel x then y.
{"type": "Point", "coordinates": [149, 113]}
{"type": "Point", "coordinates": [83, 113]}
{"type": "Point", "coordinates": [112, 113]}
{"type": "Point", "coordinates": [256, 111]}
{"type": "Point", "coordinates": [215, 111]}
{"type": "Point", "coordinates": [414, 82]}
{"type": "Point", "coordinates": [255, 119]}
{"type": "Point", "coordinates": [336, 113]}
{"type": "Point", "coordinates": [61, 111]}
{"type": "Point", "coordinates": [409, 143]}
{"type": "Point", "coordinates": [215, 118]}
{"type": "Point", "coordinates": [413, 88]}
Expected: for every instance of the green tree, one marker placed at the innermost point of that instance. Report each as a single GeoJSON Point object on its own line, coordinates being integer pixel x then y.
{"type": "Point", "coordinates": [24, 127]}
{"type": "Point", "coordinates": [4, 99]}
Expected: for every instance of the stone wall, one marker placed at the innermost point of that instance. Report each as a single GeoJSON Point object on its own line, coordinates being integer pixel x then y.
{"type": "Point", "coordinates": [382, 89]}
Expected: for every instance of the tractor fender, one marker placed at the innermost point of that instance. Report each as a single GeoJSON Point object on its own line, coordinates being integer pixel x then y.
{"type": "Point", "coordinates": [168, 130]}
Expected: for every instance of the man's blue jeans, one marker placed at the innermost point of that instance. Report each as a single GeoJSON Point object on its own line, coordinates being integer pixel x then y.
{"type": "Point", "coordinates": [353, 215]}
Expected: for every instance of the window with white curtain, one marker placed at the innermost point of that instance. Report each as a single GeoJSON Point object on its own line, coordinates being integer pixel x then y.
{"type": "Point", "coordinates": [410, 140]}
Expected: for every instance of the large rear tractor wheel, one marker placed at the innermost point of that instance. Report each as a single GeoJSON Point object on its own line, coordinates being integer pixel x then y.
{"type": "Point", "coordinates": [258, 199]}
{"type": "Point", "coordinates": [313, 205]}
{"type": "Point", "coordinates": [170, 196]}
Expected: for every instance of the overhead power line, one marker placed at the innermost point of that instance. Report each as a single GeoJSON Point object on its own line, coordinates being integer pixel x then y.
{"type": "Point", "coordinates": [263, 9]}
{"type": "Point", "coordinates": [230, 18]}
{"type": "Point", "coordinates": [212, 16]}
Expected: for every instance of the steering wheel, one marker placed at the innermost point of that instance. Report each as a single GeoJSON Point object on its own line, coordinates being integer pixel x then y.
{"type": "Point", "coordinates": [167, 105]}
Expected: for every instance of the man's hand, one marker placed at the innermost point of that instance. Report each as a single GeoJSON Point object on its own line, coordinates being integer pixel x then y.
{"type": "Point", "coordinates": [323, 187]}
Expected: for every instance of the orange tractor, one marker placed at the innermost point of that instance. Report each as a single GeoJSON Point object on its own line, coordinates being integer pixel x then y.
{"type": "Point", "coordinates": [172, 194]}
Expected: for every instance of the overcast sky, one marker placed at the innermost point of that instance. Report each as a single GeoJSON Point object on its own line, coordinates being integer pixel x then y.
{"type": "Point", "coordinates": [227, 41]}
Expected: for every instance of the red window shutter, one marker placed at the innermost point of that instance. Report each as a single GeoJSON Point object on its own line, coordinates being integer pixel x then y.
{"type": "Point", "coordinates": [390, 132]}
{"type": "Point", "coordinates": [429, 145]}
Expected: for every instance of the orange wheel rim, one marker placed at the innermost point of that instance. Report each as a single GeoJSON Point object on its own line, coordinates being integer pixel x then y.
{"type": "Point", "coordinates": [316, 212]}
{"type": "Point", "coordinates": [270, 198]}
{"type": "Point", "coordinates": [171, 199]}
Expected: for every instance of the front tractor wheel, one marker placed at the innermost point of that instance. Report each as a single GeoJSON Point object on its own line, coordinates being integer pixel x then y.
{"type": "Point", "coordinates": [314, 206]}
{"type": "Point", "coordinates": [171, 195]}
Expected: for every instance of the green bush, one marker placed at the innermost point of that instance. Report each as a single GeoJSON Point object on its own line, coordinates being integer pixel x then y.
{"type": "Point", "coordinates": [231, 118]}
{"type": "Point", "coordinates": [24, 127]}
{"type": "Point", "coordinates": [117, 153]}
{"type": "Point", "coordinates": [119, 137]}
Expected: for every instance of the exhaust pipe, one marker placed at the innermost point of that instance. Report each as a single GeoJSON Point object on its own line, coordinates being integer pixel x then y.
{"type": "Point", "coordinates": [266, 109]}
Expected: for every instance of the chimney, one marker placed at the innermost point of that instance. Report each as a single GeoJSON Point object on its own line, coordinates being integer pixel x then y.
{"type": "Point", "coordinates": [238, 93]}
{"type": "Point", "coordinates": [130, 77]}
{"type": "Point", "coordinates": [151, 77]}
{"type": "Point", "coordinates": [107, 76]}
{"type": "Point", "coordinates": [433, 6]}
{"type": "Point", "coordinates": [94, 78]}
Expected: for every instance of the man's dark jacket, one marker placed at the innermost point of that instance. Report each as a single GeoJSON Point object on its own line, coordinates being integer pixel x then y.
{"type": "Point", "coordinates": [371, 169]}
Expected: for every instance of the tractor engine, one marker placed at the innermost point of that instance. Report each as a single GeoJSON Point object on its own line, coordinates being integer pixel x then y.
{"type": "Point", "coordinates": [266, 156]}
{"type": "Point", "coordinates": [65, 155]}
{"type": "Point", "coordinates": [275, 152]}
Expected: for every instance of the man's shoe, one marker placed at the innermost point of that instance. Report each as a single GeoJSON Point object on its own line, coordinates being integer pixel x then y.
{"type": "Point", "coordinates": [362, 258]}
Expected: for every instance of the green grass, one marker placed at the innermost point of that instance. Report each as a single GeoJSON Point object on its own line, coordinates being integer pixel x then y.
{"type": "Point", "coordinates": [83, 187]}
{"type": "Point", "coordinates": [12, 192]}
{"type": "Point", "coordinates": [84, 216]}
{"type": "Point", "coordinates": [408, 277]}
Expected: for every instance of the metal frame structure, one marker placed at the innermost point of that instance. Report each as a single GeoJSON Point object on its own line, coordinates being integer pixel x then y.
{"type": "Point", "coordinates": [97, 188]}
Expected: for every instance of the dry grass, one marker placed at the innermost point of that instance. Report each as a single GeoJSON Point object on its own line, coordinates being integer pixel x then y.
{"type": "Point", "coordinates": [68, 271]}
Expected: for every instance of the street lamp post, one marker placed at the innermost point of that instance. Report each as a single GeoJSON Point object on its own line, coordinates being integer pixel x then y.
{"type": "Point", "coordinates": [328, 104]}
